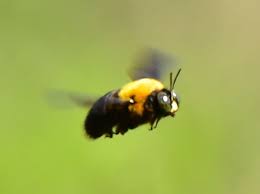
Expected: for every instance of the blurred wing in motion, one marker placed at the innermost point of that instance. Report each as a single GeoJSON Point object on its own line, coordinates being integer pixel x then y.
{"type": "Point", "coordinates": [63, 99]}
{"type": "Point", "coordinates": [151, 64]}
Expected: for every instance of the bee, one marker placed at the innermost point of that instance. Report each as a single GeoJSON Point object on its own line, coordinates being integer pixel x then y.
{"type": "Point", "coordinates": [144, 100]}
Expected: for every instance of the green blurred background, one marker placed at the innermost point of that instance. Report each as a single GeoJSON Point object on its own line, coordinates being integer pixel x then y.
{"type": "Point", "coordinates": [211, 147]}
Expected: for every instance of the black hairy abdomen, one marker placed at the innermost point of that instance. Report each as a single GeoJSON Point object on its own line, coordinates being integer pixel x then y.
{"type": "Point", "coordinates": [100, 120]}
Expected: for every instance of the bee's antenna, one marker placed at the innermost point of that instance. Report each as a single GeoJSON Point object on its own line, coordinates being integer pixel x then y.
{"type": "Point", "coordinates": [171, 81]}
{"type": "Point", "coordinates": [174, 81]}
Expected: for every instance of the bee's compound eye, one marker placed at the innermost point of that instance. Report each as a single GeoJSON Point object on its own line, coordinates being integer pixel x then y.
{"type": "Point", "coordinates": [165, 98]}
{"type": "Point", "coordinates": [164, 101]}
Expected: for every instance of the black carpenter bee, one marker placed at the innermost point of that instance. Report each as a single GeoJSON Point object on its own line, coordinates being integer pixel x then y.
{"type": "Point", "coordinates": [144, 100]}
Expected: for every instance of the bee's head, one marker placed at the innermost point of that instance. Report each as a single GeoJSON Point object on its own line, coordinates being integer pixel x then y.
{"type": "Point", "coordinates": [167, 99]}
{"type": "Point", "coordinates": [168, 102]}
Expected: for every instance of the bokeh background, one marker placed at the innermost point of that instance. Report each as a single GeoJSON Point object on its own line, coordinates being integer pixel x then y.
{"type": "Point", "coordinates": [211, 147]}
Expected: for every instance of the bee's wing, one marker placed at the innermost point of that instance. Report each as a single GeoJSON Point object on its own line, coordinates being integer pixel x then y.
{"type": "Point", "coordinates": [63, 99]}
{"type": "Point", "coordinates": [151, 64]}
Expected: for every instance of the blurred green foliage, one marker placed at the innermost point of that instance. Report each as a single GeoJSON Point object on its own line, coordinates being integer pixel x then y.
{"type": "Point", "coordinates": [212, 146]}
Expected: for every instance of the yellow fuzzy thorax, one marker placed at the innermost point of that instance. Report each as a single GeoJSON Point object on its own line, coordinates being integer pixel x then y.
{"type": "Point", "coordinates": [138, 91]}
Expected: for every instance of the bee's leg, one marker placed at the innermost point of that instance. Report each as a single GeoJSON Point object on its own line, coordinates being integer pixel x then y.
{"type": "Point", "coordinates": [110, 135]}
{"type": "Point", "coordinates": [122, 132]}
{"type": "Point", "coordinates": [121, 129]}
{"type": "Point", "coordinates": [152, 127]}
{"type": "Point", "coordinates": [109, 132]}
{"type": "Point", "coordinates": [115, 131]}
{"type": "Point", "coordinates": [154, 123]}
{"type": "Point", "coordinates": [157, 121]}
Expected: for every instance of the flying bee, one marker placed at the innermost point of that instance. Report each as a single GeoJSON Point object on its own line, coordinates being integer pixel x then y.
{"type": "Point", "coordinates": [144, 100]}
